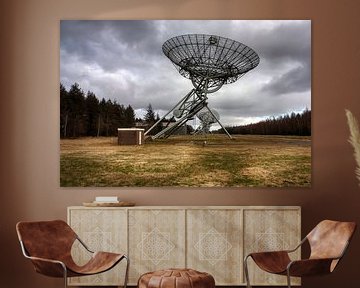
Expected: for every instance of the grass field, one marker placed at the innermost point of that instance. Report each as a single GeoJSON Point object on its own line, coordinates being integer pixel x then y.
{"type": "Point", "coordinates": [246, 161]}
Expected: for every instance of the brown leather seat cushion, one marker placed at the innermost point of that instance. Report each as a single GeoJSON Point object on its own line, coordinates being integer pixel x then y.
{"type": "Point", "coordinates": [176, 278]}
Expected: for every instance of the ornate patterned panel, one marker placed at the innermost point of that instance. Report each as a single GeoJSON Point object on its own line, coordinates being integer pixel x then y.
{"type": "Point", "coordinates": [214, 244]}
{"type": "Point", "coordinates": [101, 230]}
{"type": "Point", "coordinates": [211, 239]}
{"type": "Point", "coordinates": [270, 229]}
{"type": "Point", "coordinates": [156, 240]}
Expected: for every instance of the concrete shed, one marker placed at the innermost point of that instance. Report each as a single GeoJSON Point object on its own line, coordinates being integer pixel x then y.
{"type": "Point", "coordinates": [130, 136]}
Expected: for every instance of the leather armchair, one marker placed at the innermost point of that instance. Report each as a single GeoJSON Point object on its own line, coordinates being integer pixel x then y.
{"type": "Point", "coordinates": [328, 242]}
{"type": "Point", "coordinates": [48, 245]}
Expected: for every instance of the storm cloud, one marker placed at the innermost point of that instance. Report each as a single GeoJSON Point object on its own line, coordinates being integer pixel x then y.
{"type": "Point", "coordinates": [122, 60]}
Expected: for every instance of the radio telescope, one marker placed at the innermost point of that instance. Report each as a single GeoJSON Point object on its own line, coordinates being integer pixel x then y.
{"type": "Point", "coordinates": [207, 119]}
{"type": "Point", "coordinates": [209, 61]}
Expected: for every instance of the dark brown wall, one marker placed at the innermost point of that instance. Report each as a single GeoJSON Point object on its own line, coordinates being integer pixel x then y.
{"type": "Point", "coordinates": [29, 109]}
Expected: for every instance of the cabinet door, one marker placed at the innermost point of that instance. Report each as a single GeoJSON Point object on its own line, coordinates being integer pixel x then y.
{"type": "Point", "coordinates": [270, 230]}
{"type": "Point", "coordinates": [156, 240]}
{"type": "Point", "coordinates": [214, 244]}
{"type": "Point", "coordinates": [101, 230]}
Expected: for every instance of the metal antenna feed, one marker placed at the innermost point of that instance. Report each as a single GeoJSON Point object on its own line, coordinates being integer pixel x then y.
{"type": "Point", "coordinates": [207, 117]}
{"type": "Point", "coordinates": [209, 61]}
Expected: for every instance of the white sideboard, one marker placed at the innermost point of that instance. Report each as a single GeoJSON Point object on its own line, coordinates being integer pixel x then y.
{"type": "Point", "coordinates": [211, 239]}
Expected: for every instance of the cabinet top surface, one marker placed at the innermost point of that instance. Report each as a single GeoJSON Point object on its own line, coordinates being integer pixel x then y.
{"type": "Point", "coordinates": [192, 207]}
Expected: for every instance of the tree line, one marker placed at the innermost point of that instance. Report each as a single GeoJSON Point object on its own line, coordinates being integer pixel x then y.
{"type": "Point", "coordinates": [289, 124]}
{"type": "Point", "coordinates": [86, 115]}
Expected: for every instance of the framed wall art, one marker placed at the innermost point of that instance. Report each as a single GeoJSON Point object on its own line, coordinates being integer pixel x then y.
{"type": "Point", "coordinates": [185, 103]}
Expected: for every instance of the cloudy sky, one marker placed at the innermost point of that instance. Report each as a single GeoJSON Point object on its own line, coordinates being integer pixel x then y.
{"type": "Point", "coordinates": [123, 61]}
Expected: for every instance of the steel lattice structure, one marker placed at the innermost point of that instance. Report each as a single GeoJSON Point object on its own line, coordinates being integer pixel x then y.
{"type": "Point", "coordinates": [207, 119]}
{"type": "Point", "coordinates": [209, 61]}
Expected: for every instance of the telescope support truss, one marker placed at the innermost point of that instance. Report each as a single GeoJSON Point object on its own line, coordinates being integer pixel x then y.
{"type": "Point", "coordinates": [185, 110]}
{"type": "Point", "coordinates": [209, 61]}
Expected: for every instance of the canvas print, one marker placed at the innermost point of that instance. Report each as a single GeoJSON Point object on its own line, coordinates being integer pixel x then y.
{"type": "Point", "coordinates": [185, 103]}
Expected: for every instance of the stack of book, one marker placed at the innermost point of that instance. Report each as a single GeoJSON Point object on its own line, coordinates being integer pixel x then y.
{"type": "Point", "coordinates": [106, 199]}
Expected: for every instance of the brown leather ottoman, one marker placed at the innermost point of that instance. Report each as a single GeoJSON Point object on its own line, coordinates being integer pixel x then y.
{"type": "Point", "coordinates": [176, 278]}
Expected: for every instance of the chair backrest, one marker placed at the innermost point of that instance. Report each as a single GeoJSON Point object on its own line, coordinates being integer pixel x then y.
{"type": "Point", "coordinates": [46, 239]}
{"type": "Point", "coordinates": [329, 239]}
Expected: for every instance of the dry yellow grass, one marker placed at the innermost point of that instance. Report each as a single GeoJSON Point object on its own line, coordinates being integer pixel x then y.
{"type": "Point", "coordinates": [246, 161]}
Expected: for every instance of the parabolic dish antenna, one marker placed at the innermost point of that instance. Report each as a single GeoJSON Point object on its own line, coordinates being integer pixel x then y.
{"type": "Point", "coordinates": [209, 61]}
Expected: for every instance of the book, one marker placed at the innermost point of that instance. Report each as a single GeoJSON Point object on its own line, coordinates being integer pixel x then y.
{"type": "Point", "coordinates": [105, 202]}
{"type": "Point", "coordinates": [107, 199]}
